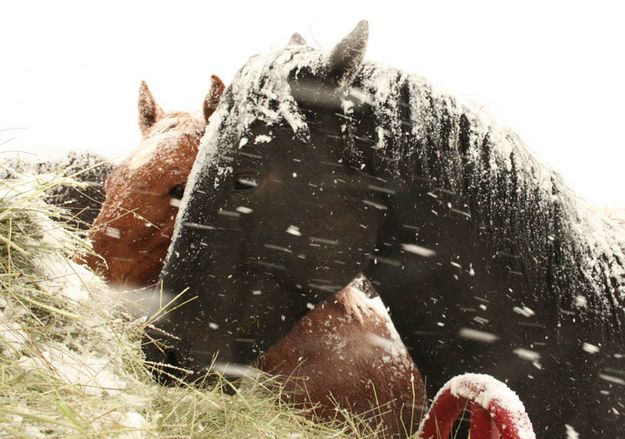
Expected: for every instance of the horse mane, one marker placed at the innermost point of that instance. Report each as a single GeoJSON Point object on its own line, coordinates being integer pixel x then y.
{"type": "Point", "coordinates": [531, 217]}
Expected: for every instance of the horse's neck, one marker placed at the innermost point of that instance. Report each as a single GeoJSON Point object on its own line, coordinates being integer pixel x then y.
{"type": "Point", "coordinates": [515, 204]}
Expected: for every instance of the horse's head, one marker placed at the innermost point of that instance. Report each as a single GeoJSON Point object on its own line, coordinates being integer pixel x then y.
{"type": "Point", "coordinates": [280, 212]}
{"type": "Point", "coordinates": [133, 230]}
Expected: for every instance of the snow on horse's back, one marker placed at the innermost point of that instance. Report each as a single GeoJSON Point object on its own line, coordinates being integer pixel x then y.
{"type": "Point", "coordinates": [83, 192]}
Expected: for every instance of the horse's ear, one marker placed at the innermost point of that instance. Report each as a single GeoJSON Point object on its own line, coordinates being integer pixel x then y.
{"type": "Point", "coordinates": [212, 98]}
{"type": "Point", "coordinates": [149, 111]}
{"type": "Point", "coordinates": [296, 40]}
{"type": "Point", "coordinates": [347, 56]}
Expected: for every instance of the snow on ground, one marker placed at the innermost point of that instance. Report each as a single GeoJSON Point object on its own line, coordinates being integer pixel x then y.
{"type": "Point", "coordinates": [75, 343]}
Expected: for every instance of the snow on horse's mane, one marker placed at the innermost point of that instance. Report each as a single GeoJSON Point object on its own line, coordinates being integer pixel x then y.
{"type": "Point", "coordinates": [261, 91]}
{"type": "Point", "coordinates": [263, 81]}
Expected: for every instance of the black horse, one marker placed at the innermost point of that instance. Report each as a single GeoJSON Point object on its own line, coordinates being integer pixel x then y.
{"type": "Point", "coordinates": [320, 167]}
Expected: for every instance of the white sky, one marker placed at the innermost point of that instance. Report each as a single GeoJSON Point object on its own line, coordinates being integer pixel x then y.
{"type": "Point", "coordinates": [553, 71]}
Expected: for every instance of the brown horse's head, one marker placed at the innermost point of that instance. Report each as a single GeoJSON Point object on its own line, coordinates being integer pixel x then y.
{"type": "Point", "coordinates": [133, 230]}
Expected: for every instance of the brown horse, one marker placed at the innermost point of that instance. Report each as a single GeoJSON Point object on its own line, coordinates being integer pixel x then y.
{"type": "Point", "coordinates": [346, 351]}
{"type": "Point", "coordinates": [132, 233]}
{"type": "Point", "coordinates": [133, 230]}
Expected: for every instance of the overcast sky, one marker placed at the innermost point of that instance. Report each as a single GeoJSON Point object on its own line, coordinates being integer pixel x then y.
{"type": "Point", "coordinates": [553, 71]}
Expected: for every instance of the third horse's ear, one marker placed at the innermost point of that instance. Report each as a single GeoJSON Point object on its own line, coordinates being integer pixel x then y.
{"type": "Point", "coordinates": [212, 98]}
{"type": "Point", "coordinates": [346, 58]}
{"type": "Point", "coordinates": [149, 111]}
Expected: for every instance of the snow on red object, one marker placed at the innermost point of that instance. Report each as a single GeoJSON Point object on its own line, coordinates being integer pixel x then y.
{"type": "Point", "coordinates": [496, 411]}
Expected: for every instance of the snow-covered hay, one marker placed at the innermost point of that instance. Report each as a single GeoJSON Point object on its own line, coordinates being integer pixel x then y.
{"type": "Point", "coordinates": [71, 362]}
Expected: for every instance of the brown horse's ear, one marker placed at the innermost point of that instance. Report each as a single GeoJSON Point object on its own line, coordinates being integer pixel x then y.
{"type": "Point", "coordinates": [149, 111]}
{"type": "Point", "coordinates": [212, 98]}
{"type": "Point", "coordinates": [346, 58]}
{"type": "Point", "coordinates": [296, 40]}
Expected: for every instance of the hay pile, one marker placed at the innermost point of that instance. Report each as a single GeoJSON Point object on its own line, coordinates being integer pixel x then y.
{"type": "Point", "coordinates": [71, 363]}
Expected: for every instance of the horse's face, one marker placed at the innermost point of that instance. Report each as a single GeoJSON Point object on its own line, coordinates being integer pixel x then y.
{"type": "Point", "coordinates": [133, 231]}
{"type": "Point", "coordinates": [263, 237]}
{"type": "Point", "coordinates": [134, 227]}
{"type": "Point", "coordinates": [295, 201]}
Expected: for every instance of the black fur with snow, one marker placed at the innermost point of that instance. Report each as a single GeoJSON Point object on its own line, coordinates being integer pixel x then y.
{"type": "Point", "coordinates": [526, 284]}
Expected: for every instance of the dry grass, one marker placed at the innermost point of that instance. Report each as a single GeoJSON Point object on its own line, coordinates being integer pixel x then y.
{"type": "Point", "coordinates": [71, 363]}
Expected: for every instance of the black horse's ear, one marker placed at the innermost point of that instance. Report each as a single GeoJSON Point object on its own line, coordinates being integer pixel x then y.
{"type": "Point", "coordinates": [346, 58]}
{"type": "Point", "coordinates": [149, 111]}
{"type": "Point", "coordinates": [212, 98]}
{"type": "Point", "coordinates": [296, 40]}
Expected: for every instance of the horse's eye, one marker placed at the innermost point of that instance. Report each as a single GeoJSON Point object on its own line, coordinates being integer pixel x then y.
{"type": "Point", "coordinates": [245, 181]}
{"type": "Point", "coordinates": [177, 191]}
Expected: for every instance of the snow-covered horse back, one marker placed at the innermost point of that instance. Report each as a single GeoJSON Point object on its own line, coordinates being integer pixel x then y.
{"type": "Point", "coordinates": [134, 227]}
{"type": "Point", "coordinates": [318, 167]}
{"type": "Point", "coordinates": [82, 201]}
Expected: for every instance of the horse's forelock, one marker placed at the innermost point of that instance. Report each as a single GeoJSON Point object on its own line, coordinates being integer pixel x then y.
{"type": "Point", "coordinates": [172, 135]}
{"type": "Point", "coordinates": [181, 121]}
{"type": "Point", "coordinates": [261, 88]}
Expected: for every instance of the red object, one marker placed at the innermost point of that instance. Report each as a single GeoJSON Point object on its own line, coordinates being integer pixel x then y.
{"type": "Point", "coordinates": [496, 411]}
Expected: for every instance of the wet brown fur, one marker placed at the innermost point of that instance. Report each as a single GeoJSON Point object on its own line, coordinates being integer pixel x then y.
{"type": "Point", "coordinates": [134, 227]}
